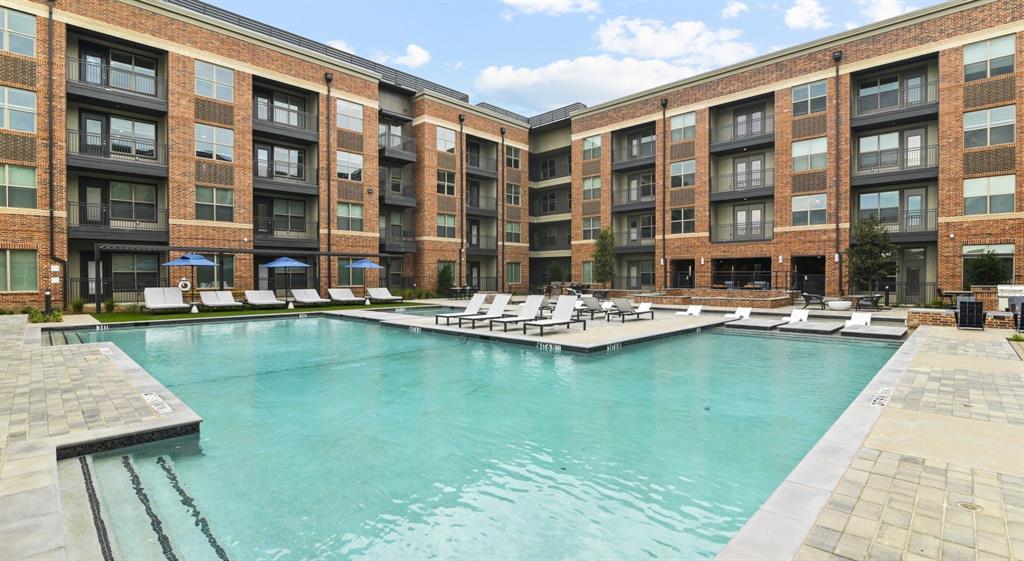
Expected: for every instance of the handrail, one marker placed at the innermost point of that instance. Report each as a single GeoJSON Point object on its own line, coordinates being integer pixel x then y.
{"type": "Point", "coordinates": [120, 216]}
{"type": "Point", "coordinates": [116, 147]}
{"type": "Point", "coordinates": [483, 242]}
{"type": "Point", "coordinates": [285, 116]}
{"type": "Point", "coordinates": [265, 226]}
{"type": "Point", "coordinates": [751, 179]}
{"type": "Point", "coordinates": [896, 159]}
{"type": "Point", "coordinates": [403, 142]}
{"type": "Point", "coordinates": [106, 76]}
{"type": "Point", "coordinates": [899, 98]}
{"type": "Point", "coordinates": [746, 129]}
{"type": "Point", "coordinates": [747, 231]}
{"type": "Point", "coordinates": [285, 171]}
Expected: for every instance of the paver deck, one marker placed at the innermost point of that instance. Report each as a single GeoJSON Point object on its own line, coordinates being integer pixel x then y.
{"type": "Point", "coordinates": [812, 327]}
{"type": "Point", "coordinates": [756, 324]}
{"type": "Point", "coordinates": [927, 463]}
{"type": "Point", "coordinates": [874, 331]}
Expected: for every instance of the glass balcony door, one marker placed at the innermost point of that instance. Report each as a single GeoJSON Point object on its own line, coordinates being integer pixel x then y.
{"type": "Point", "coordinates": [748, 172]}
{"type": "Point", "coordinates": [748, 221]}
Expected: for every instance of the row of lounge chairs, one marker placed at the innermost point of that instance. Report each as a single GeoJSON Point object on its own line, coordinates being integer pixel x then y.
{"type": "Point", "coordinates": [530, 314]}
{"type": "Point", "coordinates": [169, 299]}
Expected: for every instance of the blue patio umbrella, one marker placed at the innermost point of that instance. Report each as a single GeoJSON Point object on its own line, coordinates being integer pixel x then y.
{"type": "Point", "coordinates": [363, 264]}
{"type": "Point", "coordinates": [191, 260]}
{"type": "Point", "coordinates": [284, 263]}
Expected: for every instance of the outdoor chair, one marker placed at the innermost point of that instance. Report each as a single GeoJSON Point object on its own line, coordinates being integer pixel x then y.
{"type": "Point", "coordinates": [561, 316]}
{"type": "Point", "coordinates": [161, 299]}
{"type": "Point", "coordinates": [813, 299]}
{"type": "Point", "coordinates": [858, 320]}
{"type": "Point", "coordinates": [588, 305]}
{"type": "Point", "coordinates": [496, 310]}
{"type": "Point", "coordinates": [527, 312]}
{"type": "Point", "coordinates": [691, 310]}
{"type": "Point", "coordinates": [263, 299]}
{"type": "Point", "coordinates": [308, 296]}
{"type": "Point", "coordinates": [382, 295]}
{"type": "Point", "coordinates": [740, 313]}
{"type": "Point", "coordinates": [797, 316]}
{"type": "Point", "coordinates": [970, 315]}
{"type": "Point", "coordinates": [344, 296]}
{"type": "Point", "coordinates": [624, 308]}
{"type": "Point", "coordinates": [872, 302]}
{"type": "Point", "coordinates": [219, 299]}
{"type": "Point", "coordinates": [472, 309]}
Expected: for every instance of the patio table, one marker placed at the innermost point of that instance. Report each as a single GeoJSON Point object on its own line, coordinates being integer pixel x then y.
{"type": "Point", "coordinates": [953, 295]}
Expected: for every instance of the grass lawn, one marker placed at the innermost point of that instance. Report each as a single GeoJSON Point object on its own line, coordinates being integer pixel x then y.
{"type": "Point", "coordinates": [121, 317]}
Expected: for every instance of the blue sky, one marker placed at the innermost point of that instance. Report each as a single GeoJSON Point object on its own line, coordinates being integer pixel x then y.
{"type": "Point", "coordinates": [534, 55]}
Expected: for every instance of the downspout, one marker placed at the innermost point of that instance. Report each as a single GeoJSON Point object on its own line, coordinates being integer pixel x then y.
{"type": "Point", "coordinates": [51, 184]}
{"type": "Point", "coordinates": [837, 56]}
{"type": "Point", "coordinates": [664, 190]}
{"type": "Point", "coordinates": [501, 213]}
{"type": "Point", "coordinates": [464, 193]}
{"type": "Point", "coordinates": [328, 77]}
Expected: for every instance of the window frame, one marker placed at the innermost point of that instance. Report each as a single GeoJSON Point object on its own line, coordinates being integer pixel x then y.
{"type": "Point", "coordinates": [683, 222]}
{"type": "Point", "coordinates": [294, 222]}
{"type": "Point", "coordinates": [229, 281]}
{"type": "Point", "coordinates": [513, 194]}
{"type": "Point", "coordinates": [215, 205]}
{"type": "Point", "coordinates": [348, 221]}
{"type": "Point", "coordinates": [988, 126]}
{"type": "Point", "coordinates": [7, 271]}
{"type": "Point", "coordinates": [810, 212]}
{"type": "Point", "coordinates": [513, 232]}
{"type": "Point", "coordinates": [350, 272]}
{"type": "Point", "coordinates": [443, 143]}
{"type": "Point", "coordinates": [215, 143]}
{"type": "Point", "coordinates": [6, 109]}
{"type": "Point", "coordinates": [591, 227]}
{"type": "Point", "coordinates": [987, 60]}
{"type": "Point", "coordinates": [512, 157]}
{"type": "Point", "coordinates": [593, 151]}
{"type": "Point", "coordinates": [678, 170]}
{"type": "Point", "coordinates": [808, 101]}
{"type": "Point", "coordinates": [6, 185]}
{"type": "Point", "coordinates": [443, 226]}
{"type": "Point", "coordinates": [444, 185]}
{"type": "Point", "coordinates": [808, 158]}
{"type": "Point", "coordinates": [6, 31]}
{"type": "Point", "coordinates": [587, 272]}
{"type": "Point", "coordinates": [1011, 255]}
{"type": "Point", "coordinates": [348, 115]}
{"type": "Point", "coordinates": [687, 127]}
{"type": "Point", "coordinates": [214, 82]}
{"type": "Point", "coordinates": [516, 278]}
{"type": "Point", "coordinates": [348, 166]}
{"type": "Point", "coordinates": [1012, 179]}
{"type": "Point", "coordinates": [590, 192]}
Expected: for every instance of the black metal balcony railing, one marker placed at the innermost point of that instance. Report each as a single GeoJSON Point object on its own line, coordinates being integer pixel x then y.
{"type": "Point", "coordinates": [559, 206]}
{"type": "Point", "coordinates": [626, 196]}
{"type": "Point", "coordinates": [482, 202]}
{"type": "Point", "coordinates": [483, 284]}
{"type": "Point", "coordinates": [753, 179]}
{"type": "Point", "coordinates": [267, 112]}
{"type": "Point", "coordinates": [901, 293]}
{"type": "Point", "coordinates": [286, 171]}
{"type": "Point", "coordinates": [114, 77]}
{"type": "Point", "coordinates": [896, 159]}
{"type": "Point", "coordinates": [743, 129]}
{"type": "Point", "coordinates": [539, 172]}
{"type": "Point", "coordinates": [481, 162]}
{"type": "Point", "coordinates": [395, 234]}
{"type": "Point", "coordinates": [483, 242]}
{"type": "Point", "coordinates": [647, 150]}
{"type": "Point", "coordinates": [396, 190]}
{"type": "Point", "coordinates": [290, 229]}
{"type": "Point", "coordinates": [118, 216]}
{"type": "Point", "coordinates": [634, 239]}
{"type": "Point", "coordinates": [558, 242]}
{"type": "Point", "coordinates": [750, 280]}
{"type": "Point", "coordinates": [403, 142]}
{"type": "Point", "coordinates": [741, 232]}
{"type": "Point", "coordinates": [898, 222]}
{"type": "Point", "coordinates": [898, 98]}
{"type": "Point", "coordinates": [116, 147]}
{"type": "Point", "coordinates": [122, 291]}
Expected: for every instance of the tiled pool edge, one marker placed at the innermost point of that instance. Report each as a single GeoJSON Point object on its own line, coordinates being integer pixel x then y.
{"type": "Point", "coordinates": [778, 528]}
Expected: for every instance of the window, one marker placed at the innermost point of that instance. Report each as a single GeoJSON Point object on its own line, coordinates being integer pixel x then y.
{"type": "Point", "coordinates": [512, 157]}
{"type": "Point", "coordinates": [512, 232]}
{"type": "Point", "coordinates": [684, 173]}
{"type": "Point", "coordinates": [350, 115]}
{"type": "Point", "coordinates": [17, 109]}
{"type": "Point", "coordinates": [512, 271]}
{"type": "Point", "coordinates": [548, 203]}
{"type": "Point", "coordinates": [1004, 252]}
{"type": "Point", "coordinates": [133, 201]}
{"type": "Point", "coordinates": [987, 195]}
{"type": "Point", "coordinates": [215, 81]}
{"type": "Point", "coordinates": [446, 182]}
{"type": "Point", "coordinates": [591, 188]}
{"type": "Point", "coordinates": [289, 215]}
{"type": "Point", "coordinates": [131, 138]}
{"type": "Point", "coordinates": [445, 140]}
{"type": "Point", "coordinates": [878, 93]}
{"type": "Point", "coordinates": [17, 186]}
{"type": "Point", "coordinates": [283, 108]}
{"type": "Point", "coordinates": [591, 227]}
{"type": "Point", "coordinates": [17, 32]}
{"type": "Point", "coordinates": [350, 217]}
{"type": "Point", "coordinates": [129, 72]}
{"type": "Point", "coordinates": [18, 272]}
{"type": "Point", "coordinates": [640, 186]}
{"type": "Point", "coordinates": [988, 58]}
{"type": "Point", "coordinates": [548, 168]}
{"type": "Point", "coordinates": [446, 225]}
{"type": "Point", "coordinates": [683, 220]}
{"type": "Point", "coordinates": [449, 264]}
{"type": "Point", "coordinates": [350, 166]}
{"type": "Point", "coordinates": [591, 147]}
{"type": "Point", "coordinates": [281, 162]}
{"type": "Point", "coordinates": [588, 272]}
{"type": "Point", "coordinates": [809, 98]}
{"type": "Point", "coordinates": [989, 126]}
{"type": "Point", "coordinates": [641, 144]}
{"type": "Point", "coordinates": [348, 275]}
{"type": "Point", "coordinates": [878, 151]}
{"type": "Point", "coordinates": [134, 271]}
{"type": "Point", "coordinates": [810, 154]}
{"type": "Point", "coordinates": [884, 206]}
{"type": "Point", "coordinates": [215, 143]}
{"type": "Point", "coordinates": [511, 194]}
{"type": "Point", "coordinates": [215, 204]}
{"type": "Point", "coordinates": [809, 209]}
{"type": "Point", "coordinates": [210, 277]}
{"type": "Point", "coordinates": [684, 127]}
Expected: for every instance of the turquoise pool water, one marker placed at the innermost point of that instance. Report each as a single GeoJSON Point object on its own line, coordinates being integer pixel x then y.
{"type": "Point", "coordinates": [334, 439]}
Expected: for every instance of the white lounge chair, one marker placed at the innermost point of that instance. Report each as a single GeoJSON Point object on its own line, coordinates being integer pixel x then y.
{"type": "Point", "coordinates": [740, 313]}
{"type": "Point", "coordinates": [561, 316]}
{"type": "Point", "coordinates": [472, 309]}
{"type": "Point", "coordinates": [527, 312]}
{"type": "Point", "coordinates": [262, 298]}
{"type": "Point", "coordinates": [797, 316]}
{"type": "Point", "coordinates": [344, 296]}
{"type": "Point", "coordinates": [308, 296]}
{"type": "Point", "coordinates": [163, 299]}
{"type": "Point", "coordinates": [218, 299]}
{"type": "Point", "coordinates": [624, 308]}
{"type": "Point", "coordinates": [691, 310]}
{"type": "Point", "coordinates": [496, 310]}
{"type": "Point", "coordinates": [382, 295]}
{"type": "Point", "coordinates": [858, 319]}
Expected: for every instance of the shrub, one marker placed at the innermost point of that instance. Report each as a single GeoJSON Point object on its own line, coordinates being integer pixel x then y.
{"type": "Point", "coordinates": [555, 273]}
{"type": "Point", "coordinates": [986, 269]}
{"type": "Point", "coordinates": [445, 279]}
{"type": "Point", "coordinates": [604, 257]}
{"type": "Point", "coordinates": [55, 316]}
{"type": "Point", "coordinates": [870, 260]}
{"type": "Point", "coordinates": [109, 305]}
{"type": "Point", "coordinates": [26, 310]}
{"type": "Point", "coordinates": [1017, 338]}
{"type": "Point", "coordinates": [77, 305]}
{"type": "Point", "coordinates": [132, 308]}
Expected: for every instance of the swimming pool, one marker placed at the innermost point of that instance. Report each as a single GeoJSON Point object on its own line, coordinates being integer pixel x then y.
{"type": "Point", "coordinates": [336, 439]}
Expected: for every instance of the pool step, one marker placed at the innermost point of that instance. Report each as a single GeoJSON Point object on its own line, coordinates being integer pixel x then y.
{"type": "Point", "coordinates": [56, 338]}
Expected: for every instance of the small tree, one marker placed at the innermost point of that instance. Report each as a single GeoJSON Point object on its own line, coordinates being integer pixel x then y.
{"type": "Point", "coordinates": [555, 273]}
{"type": "Point", "coordinates": [604, 257]}
{"type": "Point", "coordinates": [870, 260]}
{"type": "Point", "coordinates": [445, 279]}
{"type": "Point", "coordinates": [985, 269]}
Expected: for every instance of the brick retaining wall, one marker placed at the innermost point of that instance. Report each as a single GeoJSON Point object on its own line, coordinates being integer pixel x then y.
{"type": "Point", "coordinates": [946, 318]}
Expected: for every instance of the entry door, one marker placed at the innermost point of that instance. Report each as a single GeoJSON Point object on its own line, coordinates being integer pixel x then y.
{"type": "Point", "coordinates": [92, 200]}
{"type": "Point", "coordinates": [263, 161]}
{"type": "Point", "coordinates": [747, 221]}
{"type": "Point", "coordinates": [474, 194]}
{"type": "Point", "coordinates": [474, 235]}
{"type": "Point", "coordinates": [915, 210]}
{"type": "Point", "coordinates": [264, 216]}
{"type": "Point", "coordinates": [748, 172]}
{"type": "Point", "coordinates": [633, 275]}
{"type": "Point", "coordinates": [93, 140]}
{"type": "Point", "coordinates": [473, 274]}
{"type": "Point", "coordinates": [748, 121]}
{"type": "Point", "coordinates": [89, 272]}
{"type": "Point", "coordinates": [914, 154]}
{"type": "Point", "coordinates": [914, 85]}
{"type": "Point", "coordinates": [913, 275]}
{"type": "Point", "coordinates": [93, 68]}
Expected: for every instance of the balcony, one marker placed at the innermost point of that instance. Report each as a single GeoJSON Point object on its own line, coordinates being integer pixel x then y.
{"type": "Point", "coordinates": [634, 242]}
{"type": "Point", "coordinates": [744, 232]}
{"type": "Point", "coordinates": [113, 86]}
{"type": "Point", "coordinates": [482, 205]}
{"type": "Point", "coordinates": [545, 169]}
{"type": "Point", "coordinates": [115, 221]}
{"type": "Point", "coordinates": [483, 245]}
{"type": "Point", "coordinates": [116, 154]}
{"type": "Point", "coordinates": [283, 122]}
{"type": "Point", "coordinates": [633, 199]}
{"type": "Point", "coordinates": [895, 165]}
{"type": "Point", "coordinates": [548, 208]}
{"type": "Point", "coordinates": [393, 239]}
{"type": "Point", "coordinates": [630, 160]}
{"type": "Point", "coordinates": [747, 134]}
{"type": "Point", "coordinates": [906, 225]}
{"type": "Point", "coordinates": [753, 183]}
{"type": "Point", "coordinates": [896, 105]}
{"type": "Point", "coordinates": [285, 177]}
{"type": "Point", "coordinates": [397, 147]}
{"type": "Point", "coordinates": [268, 233]}
{"type": "Point", "coordinates": [550, 243]}
{"type": "Point", "coordinates": [397, 194]}
{"type": "Point", "coordinates": [477, 164]}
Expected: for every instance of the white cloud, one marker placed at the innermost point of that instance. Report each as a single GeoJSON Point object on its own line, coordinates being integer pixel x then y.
{"type": "Point", "coordinates": [552, 7]}
{"type": "Point", "coordinates": [733, 9]}
{"type": "Point", "coordinates": [415, 56]}
{"type": "Point", "coordinates": [340, 45]}
{"type": "Point", "coordinates": [876, 10]}
{"type": "Point", "coordinates": [807, 14]}
{"type": "Point", "coordinates": [690, 43]}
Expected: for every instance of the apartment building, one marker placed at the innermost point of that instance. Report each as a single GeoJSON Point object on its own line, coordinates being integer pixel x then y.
{"type": "Point", "coordinates": [132, 132]}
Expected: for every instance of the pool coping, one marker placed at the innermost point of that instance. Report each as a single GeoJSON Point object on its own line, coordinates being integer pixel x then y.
{"type": "Point", "coordinates": [778, 527]}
